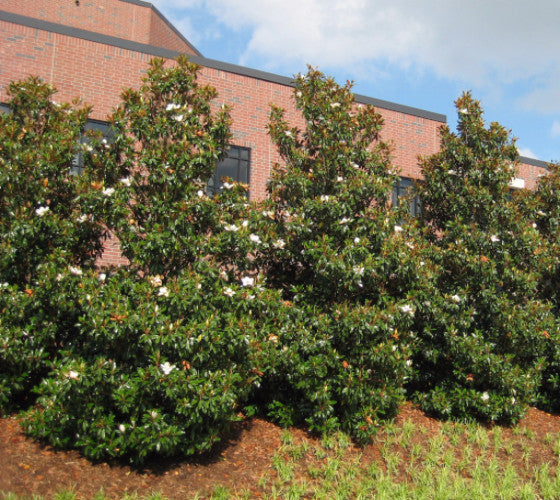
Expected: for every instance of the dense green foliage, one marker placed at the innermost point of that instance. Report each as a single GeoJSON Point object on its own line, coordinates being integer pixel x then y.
{"type": "Point", "coordinates": [338, 253]}
{"type": "Point", "coordinates": [321, 305]}
{"type": "Point", "coordinates": [48, 224]}
{"type": "Point", "coordinates": [484, 331]}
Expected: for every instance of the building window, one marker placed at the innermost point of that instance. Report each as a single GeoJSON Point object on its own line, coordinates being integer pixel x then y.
{"type": "Point", "coordinates": [4, 108]}
{"type": "Point", "coordinates": [404, 190]}
{"type": "Point", "coordinates": [234, 166]}
{"type": "Point", "coordinates": [78, 162]}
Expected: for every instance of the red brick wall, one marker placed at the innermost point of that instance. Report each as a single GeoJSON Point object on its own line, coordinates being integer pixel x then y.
{"type": "Point", "coordinates": [530, 173]}
{"type": "Point", "coordinates": [109, 17]}
{"type": "Point", "coordinates": [161, 35]}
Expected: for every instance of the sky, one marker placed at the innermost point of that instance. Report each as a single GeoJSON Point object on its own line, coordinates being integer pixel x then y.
{"type": "Point", "coordinates": [422, 54]}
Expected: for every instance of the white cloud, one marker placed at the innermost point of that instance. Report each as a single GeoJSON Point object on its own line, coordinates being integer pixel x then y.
{"type": "Point", "coordinates": [526, 152]}
{"type": "Point", "coordinates": [485, 43]}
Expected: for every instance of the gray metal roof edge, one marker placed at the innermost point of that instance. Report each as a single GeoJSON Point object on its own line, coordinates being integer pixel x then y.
{"type": "Point", "coordinates": [401, 108]}
{"type": "Point", "coordinates": [142, 3]}
{"type": "Point", "coordinates": [244, 71]}
{"type": "Point", "coordinates": [534, 162]}
{"type": "Point", "coordinates": [200, 60]}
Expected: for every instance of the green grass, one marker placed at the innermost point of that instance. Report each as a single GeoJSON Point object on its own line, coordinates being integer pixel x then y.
{"type": "Point", "coordinates": [455, 461]}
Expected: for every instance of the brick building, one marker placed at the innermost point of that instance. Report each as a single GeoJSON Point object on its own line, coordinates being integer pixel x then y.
{"type": "Point", "coordinates": [92, 49]}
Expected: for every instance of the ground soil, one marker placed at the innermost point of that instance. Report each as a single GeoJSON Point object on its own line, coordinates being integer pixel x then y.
{"type": "Point", "coordinates": [28, 467]}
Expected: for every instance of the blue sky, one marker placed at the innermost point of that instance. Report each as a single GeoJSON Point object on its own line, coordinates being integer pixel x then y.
{"type": "Point", "coordinates": [418, 53]}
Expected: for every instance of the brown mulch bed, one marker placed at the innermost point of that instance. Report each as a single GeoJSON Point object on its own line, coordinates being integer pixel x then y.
{"type": "Point", "coordinates": [28, 467]}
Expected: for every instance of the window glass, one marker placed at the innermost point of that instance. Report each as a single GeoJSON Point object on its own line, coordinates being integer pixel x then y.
{"type": "Point", "coordinates": [78, 161]}
{"type": "Point", "coordinates": [235, 165]}
{"type": "Point", "coordinates": [404, 190]}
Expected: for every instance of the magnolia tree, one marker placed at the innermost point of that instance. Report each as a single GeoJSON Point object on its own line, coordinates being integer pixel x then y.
{"type": "Point", "coordinates": [335, 249]}
{"type": "Point", "coordinates": [483, 332]}
{"type": "Point", "coordinates": [47, 227]}
{"type": "Point", "coordinates": [171, 346]}
{"type": "Point", "coordinates": [543, 208]}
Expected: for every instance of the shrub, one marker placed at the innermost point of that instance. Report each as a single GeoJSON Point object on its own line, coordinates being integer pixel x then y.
{"type": "Point", "coordinates": [166, 352]}
{"type": "Point", "coordinates": [542, 208]}
{"type": "Point", "coordinates": [163, 368]}
{"type": "Point", "coordinates": [333, 247]}
{"type": "Point", "coordinates": [47, 224]}
{"type": "Point", "coordinates": [483, 332]}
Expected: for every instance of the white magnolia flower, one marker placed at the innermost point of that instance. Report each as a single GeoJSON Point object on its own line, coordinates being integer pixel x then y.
{"type": "Point", "coordinates": [108, 191]}
{"type": "Point", "coordinates": [407, 309]}
{"type": "Point", "coordinates": [166, 368]}
{"type": "Point", "coordinates": [335, 104]}
{"type": "Point", "coordinates": [255, 238]}
{"type": "Point", "coordinates": [409, 362]}
{"type": "Point", "coordinates": [344, 220]}
{"type": "Point", "coordinates": [155, 280]}
{"type": "Point", "coordinates": [288, 133]}
{"type": "Point", "coordinates": [231, 227]}
{"type": "Point", "coordinates": [42, 211]}
{"type": "Point", "coordinates": [102, 277]}
{"type": "Point", "coordinates": [358, 270]}
{"type": "Point", "coordinates": [279, 243]}
{"type": "Point", "coordinates": [200, 193]}
{"type": "Point", "coordinates": [298, 93]}
{"type": "Point", "coordinates": [125, 181]}
{"type": "Point", "coordinates": [485, 396]}
{"type": "Point", "coordinates": [163, 291]}
{"type": "Point", "coordinates": [178, 118]}
{"type": "Point", "coordinates": [82, 218]}
{"type": "Point", "coordinates": [76, 271]}
{"type": "Point", "coordinates": [340, 179]}
{"type": "Point", "coordinates": [456, 299]}
{"type": "Point", "coordinates": [355, 165]}
{"type": "Point", "coordinates": [59, 277]}
{"type": "Point", "coordinates": [356, 240]}
{"type": "Point", "coordinates": [494, 238]}
{"type": "Point", "coordinates": [171, 106]}
{"type": "Point", "coordinates": [398, 229]}
{"type": "Point", "coordinates": [229, 292]}
{"type": "Point", "coordinates": [245, 223]}
{"type": "Point", "coordinates": [247, 281]}
{"type": "Point", "coordinates": [324, 197]}
{"type": "Point", "coordinates": [122, 428]}
{"type": "Point", "coordinates": [464, 111]}
{"type": "Point", "coordinates": [451, 172]}
{"type": "Point", "coordinates": [228, 186]}
{"type": "Point", "coordinates": [541, 213]}
{"type": "Point", "coordinates": [73, 375]}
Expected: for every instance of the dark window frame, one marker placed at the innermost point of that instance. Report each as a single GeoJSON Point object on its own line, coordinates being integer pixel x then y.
{"type": "Point", "coordinates": [405, 189]}
{"type": "Point", "coordinates": [236, 165]}
{"type": "Point", "coordinates": [77, 167]}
